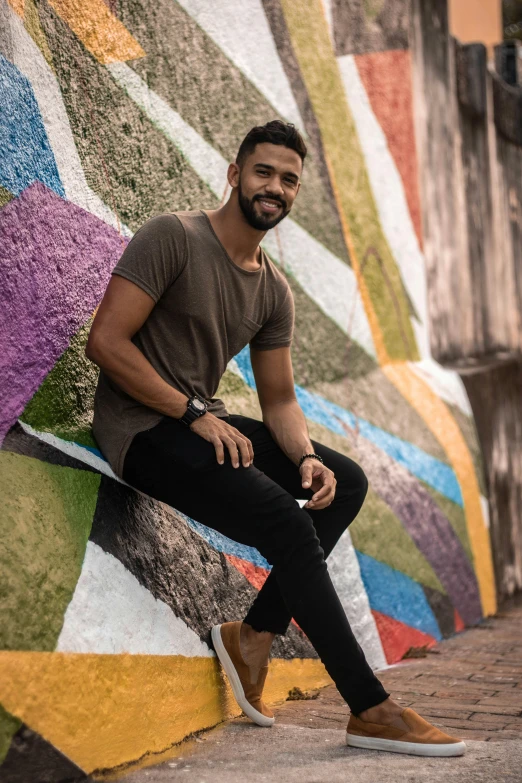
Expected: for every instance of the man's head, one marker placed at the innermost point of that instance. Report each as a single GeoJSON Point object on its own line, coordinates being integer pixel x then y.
{"type": "Point", "coordinates": [267, 173]}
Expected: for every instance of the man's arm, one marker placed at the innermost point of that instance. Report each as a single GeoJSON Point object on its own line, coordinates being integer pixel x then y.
{"type": "Point", "coordinates": [124, 309]}
{"type": "Point", "coordinates": [285, 419]}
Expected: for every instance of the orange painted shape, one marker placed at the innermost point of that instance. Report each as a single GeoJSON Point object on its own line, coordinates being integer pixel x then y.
{"type": "Point", "coordinates": [387, 80]}
{"type": "Point", "coordinates": [459, 622]}
{"type": "Point", "coordinates": [99, 30]}
{"type": "Point", "coordinates": [397, 637]}
{"type": "Point", "coordinates": [18, 6]}
{"type": "Point", "coordinates": [440, 421]}
{"type": "Point", "coordinates": [103, 711]}
{"type": "Point", "coordinates": [255, 574]}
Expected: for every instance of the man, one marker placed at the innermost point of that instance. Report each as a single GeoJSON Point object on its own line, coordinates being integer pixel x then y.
{"type": "Point", "coordinates": [189, 292]}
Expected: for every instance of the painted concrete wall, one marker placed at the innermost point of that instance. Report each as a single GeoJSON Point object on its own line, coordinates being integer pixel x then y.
{"type": "Point", "coordinates": [120, 110]}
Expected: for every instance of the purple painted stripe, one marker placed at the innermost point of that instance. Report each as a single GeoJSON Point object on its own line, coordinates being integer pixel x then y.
{"type": "Point", "coordinates": [427, 526]}
{"type": "Point", "coordinates": [56, 261]}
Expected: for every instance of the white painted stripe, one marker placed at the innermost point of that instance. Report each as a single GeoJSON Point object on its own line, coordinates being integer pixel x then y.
{"type": "Point", "coordinates": [204, 159]}
{"type": "Point", "coordinates": [346, 577]}
{"type": "Point", "coordinates": [390, 199]}
{"type": "Point", "coordinates": [242, 32]}
{"type": "Point", "coordinates": [234, 367]}
{"type": "Point", "coordinates": [328, 12]}
{"type": "Point", "coordinates": [31, 62]}
{"type": "Point", "coordinates": [484, 504]}
{"type": "Point", "coordinates": [325, 278]}
{"type": "Point", "coordinates": [73, 450]}
{"type": "Point", "coordinates": [445, 383]}
{"type": "Point", "coordinates": [112, 613]}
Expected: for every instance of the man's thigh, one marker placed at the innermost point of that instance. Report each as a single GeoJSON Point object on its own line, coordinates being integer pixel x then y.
{"type": "Point", "coordinates": [271, 459]}
{"type": "Point", "coordinates": [175, 465]}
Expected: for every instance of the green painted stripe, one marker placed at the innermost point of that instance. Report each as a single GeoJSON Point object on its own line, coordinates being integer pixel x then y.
{"type": "Point", "coordinates": [64, 402]}
{"type": "Point", "coordinates": [9, 725]}
{"type": "Point", "coordinates": [5, 197]}
{"type": "Point", "coordinates": [47, 515]}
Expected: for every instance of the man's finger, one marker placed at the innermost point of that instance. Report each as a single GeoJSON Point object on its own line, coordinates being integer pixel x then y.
{"type": "Point", "coordinates": [220, 456]}
{"type": "Point", "coordinates": [244, 451]}
{"type": "Point", "coordinates": [307, 475]}
{"type": "Point", "coordinates": [324, 491]}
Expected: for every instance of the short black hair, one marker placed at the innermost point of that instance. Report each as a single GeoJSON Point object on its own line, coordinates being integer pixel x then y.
{"type": "Point", "coordinates": [273, 132]}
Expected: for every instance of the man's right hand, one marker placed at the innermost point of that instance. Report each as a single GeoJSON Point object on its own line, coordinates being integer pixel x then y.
{"type": "Point", "coordinates": [222, 435]}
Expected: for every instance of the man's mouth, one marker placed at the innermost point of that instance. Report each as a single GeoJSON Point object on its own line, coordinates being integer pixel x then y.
{"type": "Point", "coordinates": [269, 205]}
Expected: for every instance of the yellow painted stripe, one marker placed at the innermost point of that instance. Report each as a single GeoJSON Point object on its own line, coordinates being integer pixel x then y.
{"type": "Point", "coordinates": [100, 31]}
{"type": "Point", "coordinates": [103, 711]}
{"type": "Point", "coordinates": [441, 422]}
{"type": "Point", "coordinates": [378, 338]}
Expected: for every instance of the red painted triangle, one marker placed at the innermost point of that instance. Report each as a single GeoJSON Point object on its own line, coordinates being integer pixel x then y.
{"type": "Point", "coordinates": [255, 574]}
{"type": "Point", "coordinates": [397, 637]}
{"type": "Point", "coordinates": [459, 622]}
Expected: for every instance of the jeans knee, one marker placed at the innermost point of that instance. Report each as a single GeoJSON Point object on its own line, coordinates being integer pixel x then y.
{"type": "Point", "coordinates": [352, 481]}
{"type": "Point", "coordinates": [293, 537]}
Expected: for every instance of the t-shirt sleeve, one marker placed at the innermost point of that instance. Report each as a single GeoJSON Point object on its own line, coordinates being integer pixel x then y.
{"type": "Point", "coordinates": [155, 256]}
{"type": "Point", "coordinates": [278, 331]}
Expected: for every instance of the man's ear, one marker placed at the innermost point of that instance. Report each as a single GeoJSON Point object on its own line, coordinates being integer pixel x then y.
{"type": "Point", "coordinates": [233, 175]}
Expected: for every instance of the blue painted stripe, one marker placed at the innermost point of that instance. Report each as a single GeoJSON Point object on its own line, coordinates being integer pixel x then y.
{"type": "Point", "coordinates": [393, 593]}
{"type": "Point", "coordinates": [322, 411]}
{"type": "Point", "coordinates": [221, 543]}
{"type": "Point", "coordinates": [25, 152]}
{"type": "Point", "coordinates": [97, 452]}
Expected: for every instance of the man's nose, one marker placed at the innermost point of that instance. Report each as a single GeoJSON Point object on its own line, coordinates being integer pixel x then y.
{"type": "Point", "coordinates": [274, 187]}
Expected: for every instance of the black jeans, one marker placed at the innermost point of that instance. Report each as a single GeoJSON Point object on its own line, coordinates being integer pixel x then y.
{"type": "Point", "coordinates": [257, 506]}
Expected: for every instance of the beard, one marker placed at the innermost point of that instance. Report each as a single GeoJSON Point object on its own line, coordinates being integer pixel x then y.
{"type": "Point", "coordinates": [259, 221]}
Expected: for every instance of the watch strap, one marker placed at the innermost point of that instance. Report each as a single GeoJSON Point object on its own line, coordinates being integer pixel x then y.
{"type": "Point", "coordinates": [192, 413]}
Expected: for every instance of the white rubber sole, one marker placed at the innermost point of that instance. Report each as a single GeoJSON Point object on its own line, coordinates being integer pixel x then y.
{"type": "Point", "coordinates": [235, 682]}
{"type": "Point", "coordinates": [413, 748]}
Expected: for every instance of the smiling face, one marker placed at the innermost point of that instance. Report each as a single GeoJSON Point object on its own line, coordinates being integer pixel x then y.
{"type": "Point", "coordinates": [267, 184]}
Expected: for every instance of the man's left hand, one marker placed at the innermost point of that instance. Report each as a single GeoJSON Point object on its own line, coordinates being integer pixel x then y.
{"type": "Point", "coordinates": [320, 480]}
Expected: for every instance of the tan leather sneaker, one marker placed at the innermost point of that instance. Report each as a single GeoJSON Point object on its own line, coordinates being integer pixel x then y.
{"type": "Point", "coordinates": [246, 690]}
{"type": "Point", "coordinates": [417, 737]}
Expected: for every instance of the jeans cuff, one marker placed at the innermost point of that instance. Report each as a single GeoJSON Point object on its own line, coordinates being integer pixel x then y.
{"type": "Point", "coordinates": [265, 626]}
{"type": "Point", "coordinates": [369, 699]}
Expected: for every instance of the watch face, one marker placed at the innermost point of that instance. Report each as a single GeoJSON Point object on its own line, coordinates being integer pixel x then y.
{"type": "Point", "coordinates": [198, 404]}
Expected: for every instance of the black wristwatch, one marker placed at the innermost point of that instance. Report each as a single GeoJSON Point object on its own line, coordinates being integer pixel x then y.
{"type": "Point", "coordinates": [196, 407]}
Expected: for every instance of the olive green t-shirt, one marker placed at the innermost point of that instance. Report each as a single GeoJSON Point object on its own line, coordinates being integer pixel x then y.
{"type": "Point", "coordinates": [207, 309]}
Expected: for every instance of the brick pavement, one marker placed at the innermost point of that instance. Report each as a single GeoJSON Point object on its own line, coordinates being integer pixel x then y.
{"type": "Point", "coordinates": [470, 685]}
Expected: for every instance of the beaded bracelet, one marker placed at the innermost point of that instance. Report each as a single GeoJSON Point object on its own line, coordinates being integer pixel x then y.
{"type": "Point", "coordinates": [307, 456]}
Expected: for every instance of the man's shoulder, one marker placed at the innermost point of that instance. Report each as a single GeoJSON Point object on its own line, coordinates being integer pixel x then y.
{"type": "Point", "coordinates": [172, 222]}
{"type": "Point", "coordinates": [276, 275]}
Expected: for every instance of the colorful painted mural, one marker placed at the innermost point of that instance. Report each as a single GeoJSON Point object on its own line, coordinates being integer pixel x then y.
{"type": "Point", "coordinates": [123, 109]}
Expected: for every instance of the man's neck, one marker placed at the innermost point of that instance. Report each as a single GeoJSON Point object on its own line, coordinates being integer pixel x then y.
{"type": "Point", "coordinates": [239, 239]}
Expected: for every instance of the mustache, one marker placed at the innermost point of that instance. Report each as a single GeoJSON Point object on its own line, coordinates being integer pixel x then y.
{"type": "Point", "coordinates": [271, 198]}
